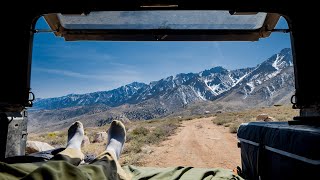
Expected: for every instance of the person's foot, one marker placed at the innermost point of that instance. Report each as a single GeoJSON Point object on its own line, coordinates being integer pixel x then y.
{"type": "Point", "coordinates": [75, 135]}
{"type": "Point", "coordinates": [116, 137]}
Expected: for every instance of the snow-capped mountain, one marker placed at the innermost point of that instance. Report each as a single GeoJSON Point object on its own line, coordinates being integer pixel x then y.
{"type": "Point", "coordinates": [111, 98]}
{"type": "Point", "coordinates": [266, 78]}
{"type": "Point", "coordinates": [270, 82]}
{"type": "Point", "coordinates": [185, 88]}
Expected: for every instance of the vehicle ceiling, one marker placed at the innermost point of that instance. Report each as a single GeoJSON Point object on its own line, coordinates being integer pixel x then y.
{"type": "Point", "coordinates": [163, 25]}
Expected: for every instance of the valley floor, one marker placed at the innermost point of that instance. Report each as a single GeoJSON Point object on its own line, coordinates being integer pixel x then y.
{"type": "Point", "coordinates": [197, 143]}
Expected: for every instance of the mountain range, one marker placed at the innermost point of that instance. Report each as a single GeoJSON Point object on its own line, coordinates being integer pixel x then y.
{"type": "Point", "coordinates": [217, 89]}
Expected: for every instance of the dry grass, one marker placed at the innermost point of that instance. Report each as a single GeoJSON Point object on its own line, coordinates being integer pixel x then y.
{"type": "Point", "coordinates": [234, 119]}
{"type": "Point", "coordinates": [146, 133]}
{"type": "Point", "coordinates": [94, 148]}
{"type": "Point", "coordinates": [233, 128]}
{"type": "Point", "coordinates": [56, 138]}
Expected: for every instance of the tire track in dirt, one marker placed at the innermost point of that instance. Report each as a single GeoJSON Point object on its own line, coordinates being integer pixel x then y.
{"type": "Point", "coordinates": [197, 143]}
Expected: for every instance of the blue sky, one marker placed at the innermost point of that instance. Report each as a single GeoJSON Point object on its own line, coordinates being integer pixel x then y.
{"type": "Point", "coordinates": [62, 67]}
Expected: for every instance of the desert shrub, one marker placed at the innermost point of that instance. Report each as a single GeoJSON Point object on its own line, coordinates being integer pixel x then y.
{"type": "Point", "coordinates": [140, 131]}
{"type": "Point", "coordinates": [161, 132]}
{"type": "Point", "coordinates": [227, 124]}
{"type": "Point", "coordinates": [156, 136]}
{"type": "Point", "coordinates": [94, 148]}
{"type": "Point", "coordinates": [132, 158]}
{"type": "Point", "coordinates": [221, 120]}
{"type": "Point", "coordinates": [56, 139]}
{"type": "Point", "coordinates": [51, 135]}
{"type": "Point", "coordinates": [141, 136]}
{"type": "Point", "coordinates": [233, 128]}
{"type": "Point", "coordinates": [137, 138]}
{"type": "Point", "coordinates": [133, 147]}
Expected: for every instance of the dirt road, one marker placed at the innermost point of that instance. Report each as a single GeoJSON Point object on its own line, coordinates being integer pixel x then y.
{"type": "Point", "coordinates": [198, 143]}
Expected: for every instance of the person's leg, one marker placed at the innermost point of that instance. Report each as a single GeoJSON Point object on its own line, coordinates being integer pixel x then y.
{"type": "Point", "coordinates": [116, 138]}
{"type": "Point", "coordinates": [72, 153]}
{"type": "Point", "coordinates": [109, 158]}
{"type": "Point", "coordinates": [71, 156]}
{"type": "Point", "coordinates": [105, 166]}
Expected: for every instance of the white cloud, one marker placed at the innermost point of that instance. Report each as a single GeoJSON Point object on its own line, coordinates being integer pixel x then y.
{"type": "Point", "coordinates": [62, 51]}
{"type": "Point", "coordinates": [122, 76]}
{"type": "Point", "coordinates": [64, 73]}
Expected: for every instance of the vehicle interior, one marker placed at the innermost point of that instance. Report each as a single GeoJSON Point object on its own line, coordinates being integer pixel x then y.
{"type": "Point", "coordinates": [100, 21]}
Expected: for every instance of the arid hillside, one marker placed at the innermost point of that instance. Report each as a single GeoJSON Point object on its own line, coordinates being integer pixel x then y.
{"type": "Point", "coordinates": [199, 141]}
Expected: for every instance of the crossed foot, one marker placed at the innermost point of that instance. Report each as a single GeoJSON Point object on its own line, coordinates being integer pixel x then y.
{"type": "Point", "coordinates": [116, 137]}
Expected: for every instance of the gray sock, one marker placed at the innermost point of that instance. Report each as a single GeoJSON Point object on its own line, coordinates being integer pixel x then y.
{"type": "Point", "coordinates": [116, 137]}
{"type": "Point", "coordinates": [75, 135]}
